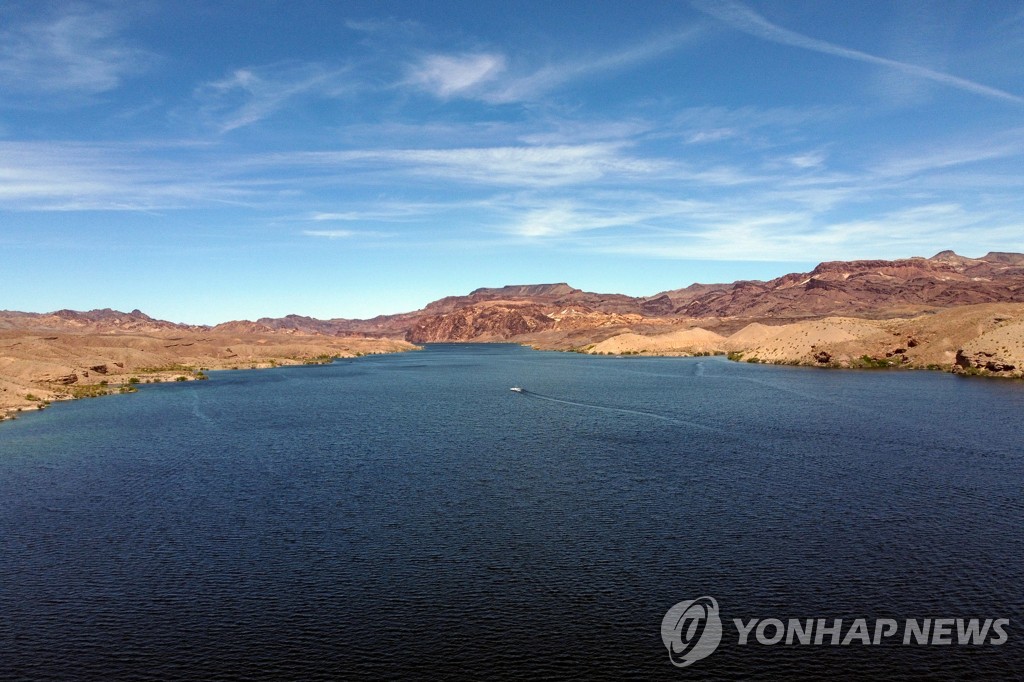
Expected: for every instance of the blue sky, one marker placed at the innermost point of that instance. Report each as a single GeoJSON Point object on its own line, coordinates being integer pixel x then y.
{"type": "Point", "coordinates": [206, 161]}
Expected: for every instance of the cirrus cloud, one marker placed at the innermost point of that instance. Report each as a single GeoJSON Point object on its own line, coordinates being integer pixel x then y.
{"type": "Point", "coordinates": [79, 52]}
{"type": "Point", "coordinates": [742, 18]}
{"type": "Point", "coordinates": [448, 75]}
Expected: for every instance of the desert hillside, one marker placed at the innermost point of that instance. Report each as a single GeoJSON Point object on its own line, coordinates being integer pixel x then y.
{"type": "Point", "coordinates": [985, 339]}
{"type": "Point", "coordinates": [61, 360]}
{"type": "Point", "coordinates": [545, 313]}
{"type": "Point", "coordinates": [686, 341]}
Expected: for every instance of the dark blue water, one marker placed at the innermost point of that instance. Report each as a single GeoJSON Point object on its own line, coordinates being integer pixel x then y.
{"type": "Point", "coordinates": [408, 516]}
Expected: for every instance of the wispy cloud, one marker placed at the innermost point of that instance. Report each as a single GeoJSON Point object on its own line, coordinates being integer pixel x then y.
{"type": "Point", "coordinates": [330, 234]}
{"type": "Point", "coordinates": [750, 128]}
{"type": "Point", "coordinates": [813, 159]}
{"type": "Point", "coordinates": [60, 176]}
{"type": "Point", "coordinates": [710, 135]}
{"type": "Point", "coordinates": [330, 217]}
{"type": "Point", "coordinates": [346, 234]}
{"type": "Point", "coordinates": [489, 76]}
{"type": "Point", "coordinates": [549, 77]}
{"type": "Point", "coordinates": [78, 52]}
{"type": "Point", "coordinates": [744, 19]}
{"type": "Point", "coordinates": [782, 208]}
{"type": "Point", "coordinates": [386, 211]}
{"type": "Point", "coordinates": [448, 75]}
{"type": "Point", "coordinates": [715, 233]}
{"type": "Point", "coordinates": [522, 166]}
{"type": "Point", "coordinates": [1000, 145]}
{"type": "Point", "coordinates": [566, 219]}
{"type": "Point", "coordinates": [246, 96]}
{"type": "Point", "coordinates": [629, 192]}
{"type": "Point", "coordinates": [386, 27]}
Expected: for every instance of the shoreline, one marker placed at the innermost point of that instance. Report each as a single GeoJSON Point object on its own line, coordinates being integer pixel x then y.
{"type": "Point", "coordinates": [43, 365]}
{"type": "Point", "coordinates": [985, 340]}
{"type": "Point", "coordinates": [39, 370]}
{"type": "Point", "coordinates": [865, 366]}
{"type": "Point", "coordinates": [185, 373]}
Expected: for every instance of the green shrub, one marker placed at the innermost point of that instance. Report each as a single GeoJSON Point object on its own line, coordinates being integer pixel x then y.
{"type": "Point", "coordinates": [868, 362]}
{"type": "Point", "coordinates": [173, 367]}
{"type": "Point", "coordinates": [89, 391]}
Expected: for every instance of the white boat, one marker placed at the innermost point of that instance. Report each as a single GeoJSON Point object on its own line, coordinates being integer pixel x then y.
{"type": "Point", "coordinates": [516, 389]}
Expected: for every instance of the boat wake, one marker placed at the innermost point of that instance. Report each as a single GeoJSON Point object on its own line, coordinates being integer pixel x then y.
{"type": "Point", "coordinates": [621, 410]}
{"type": "Point", "coordinates": [197, 409]}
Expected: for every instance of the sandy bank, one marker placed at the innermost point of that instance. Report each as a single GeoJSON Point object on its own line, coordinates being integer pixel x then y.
{"type": "Point", "coordinates": [985, 339]}
{"type": "Point", "coordinates": [37, 368]}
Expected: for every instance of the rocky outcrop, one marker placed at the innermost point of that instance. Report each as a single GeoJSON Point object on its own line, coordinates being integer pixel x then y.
{"type": "Point", "coordinates": [482, 322]}
{"type": "Point", "coordinates": [872, 288]}
{"type": "Point", "coordinates": [970, 363]}
{"type": "Point", "coordinates": [243, 327]}
{"type": "Point", "coordinates": [1003, 258]}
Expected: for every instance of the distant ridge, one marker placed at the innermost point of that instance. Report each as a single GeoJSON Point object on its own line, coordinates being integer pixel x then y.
{"type": "Point", "coordinates": [860, 288]}
{"type": "Point", "coordinates": [527, 290]}
{"type": "Point", "coordinates": [1004, 257]}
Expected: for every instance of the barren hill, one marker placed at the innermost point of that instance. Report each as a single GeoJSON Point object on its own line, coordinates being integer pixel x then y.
{"type": "Point", "coordinates": [868, 288]}
{"type": "Point", "coordinates": [875, 288]}
{"type": "Point", "coordinates": [72, 356]}
{"type": "Point", "coordinates": [986, 338]}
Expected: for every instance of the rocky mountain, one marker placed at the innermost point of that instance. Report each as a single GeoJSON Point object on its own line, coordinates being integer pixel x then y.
{"type": "Point", "coordinates": [556, 295]}
{"type": "Point", "coordinates": [873, 288]}
{"type": "Point", "coordinates": [502, 320]}
{"type": "Point", "coordinates": [95, 321]}
{"type": "Point", "coordinates": [865, 288]}
{"type": "Point", "coordinates": [388, 326]}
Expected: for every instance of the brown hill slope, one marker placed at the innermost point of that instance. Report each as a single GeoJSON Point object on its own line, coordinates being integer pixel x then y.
{"type": "Point", "coordinates": [37, 366]}
{"type": "Point", "coordinates": [875, 288]}
{"type": "Point", "coordinates": [986, 338]}
{"type": "Point", "coordinates": [98, 321]}
{"type": "Point", "coordinates": [870, 288]}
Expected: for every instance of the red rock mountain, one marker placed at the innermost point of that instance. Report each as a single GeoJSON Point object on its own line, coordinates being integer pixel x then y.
{"type": "Point", "coordinates": [94, 321]}
{"type": "Point", "coordinates": [871, 288]}
{"type": "Point", "coordinates": [865, 288]}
